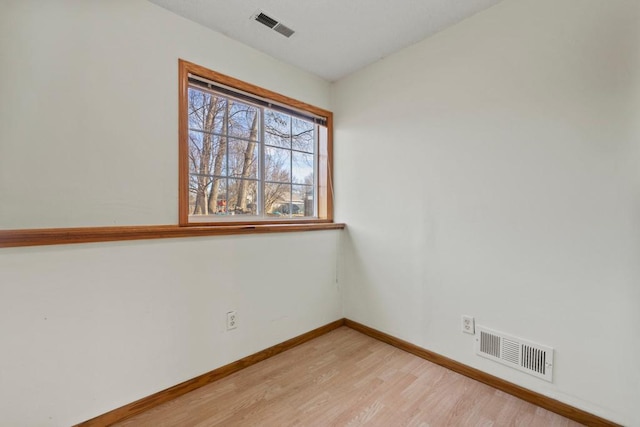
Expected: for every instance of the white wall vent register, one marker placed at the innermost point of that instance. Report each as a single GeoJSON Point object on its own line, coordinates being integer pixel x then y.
{"type": "Point", "coordinates": [532, 358]}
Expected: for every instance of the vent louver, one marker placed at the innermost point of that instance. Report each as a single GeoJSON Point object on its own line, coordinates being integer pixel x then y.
{"type": "Point", "coordinates": [272, 23]}
{"type": "Point", "coordinates": [534, 359]}
{"type": "Point", "coordinates": [490, 344]}
{"type": "Point", "coordinates": [266, 20]}
{"type": "Point", "coordinates": [284, 30]}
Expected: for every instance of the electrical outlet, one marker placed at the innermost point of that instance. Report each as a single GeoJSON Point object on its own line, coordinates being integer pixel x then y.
{"type": "Point", "coordinates": [468, 325]}
{"type": "Point", "coordinates": [232, 320]}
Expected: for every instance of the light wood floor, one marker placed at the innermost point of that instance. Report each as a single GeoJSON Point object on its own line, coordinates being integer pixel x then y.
{"type": "Point", "coordinates": [345, 378]}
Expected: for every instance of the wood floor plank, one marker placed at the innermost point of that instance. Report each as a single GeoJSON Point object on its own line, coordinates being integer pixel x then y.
{"type": "Point", "coordinates": [345, 378]}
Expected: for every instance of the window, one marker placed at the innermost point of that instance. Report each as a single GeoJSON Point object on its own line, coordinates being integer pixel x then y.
{"type": "Point", "coordinates": [248, 155]}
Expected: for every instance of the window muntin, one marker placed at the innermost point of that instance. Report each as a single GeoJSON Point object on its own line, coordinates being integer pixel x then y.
{"type": "Point", "coordinates": [250, 163]}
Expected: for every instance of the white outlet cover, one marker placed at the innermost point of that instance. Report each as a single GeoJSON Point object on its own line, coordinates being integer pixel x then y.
{"type": "Point", "coordinates": [468, 325]}
{"type": "Point", "coordinates": [232, 320]}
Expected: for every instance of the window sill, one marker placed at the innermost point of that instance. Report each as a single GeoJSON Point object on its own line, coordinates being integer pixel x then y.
{"type": "Point", "coordinates": [63, 236]}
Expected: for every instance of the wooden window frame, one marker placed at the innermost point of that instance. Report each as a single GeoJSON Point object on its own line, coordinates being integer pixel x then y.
{"type": "Point", "coordinates": [325, 150]}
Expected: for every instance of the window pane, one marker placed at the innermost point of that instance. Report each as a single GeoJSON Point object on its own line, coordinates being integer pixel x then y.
{"type": "Point", "coordinates": [199, 189]}
{"type": "Point", "coordinates": [243, 120]}
{"type": "Point", "coordinates": [243, 197]}
{"type": "Point", "coordinates": [205, 153]}
{"type": "Point", "coordinates": [243, 159]}
{"type": "Point", "coordinates": [217, 198]}
{"type": "Point", "coordinates": [195, 151]}
{"type": "Point", "coordinates": [218, 163]}
{"type": "Point", "coordinates": [207, 195]}
{"type": "Point", "coordinates": [275, 196]}
{"type": "Point", "coordinates": [206, 111]}
{"type": "Point", "coordinates": [277, 164]}
{"type": "Point", "coordinates": [277, 128]}
{"type": "Point", "coordinates": [302, 200]}
{"type": "Point", "coordinates": [302, 172]}
{"type": "Point", "coordinates": [303, 135]}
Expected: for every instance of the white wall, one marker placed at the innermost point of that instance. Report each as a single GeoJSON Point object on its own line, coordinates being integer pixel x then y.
{"type": "Point", "coordinates": [89, 108]}
{"type": "Point", "coordinates": [89, 328]}
{"type": "Point", "coordinates": [492, 170]}
{"type": "Point", "coordinates": [88, 137]}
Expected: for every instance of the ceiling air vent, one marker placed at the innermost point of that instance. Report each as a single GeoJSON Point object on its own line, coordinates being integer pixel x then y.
{"type": "Point", "coordinates": [265, 19]}
{"type": "Point", "coordinates": [523, 355]}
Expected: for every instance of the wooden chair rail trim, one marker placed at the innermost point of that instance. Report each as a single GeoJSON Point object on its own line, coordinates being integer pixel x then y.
{"type": "Point", "coordinates": [538, 399]}
{"type": "Point", "coordinates": [171, 393]}
{"type": "Point", "coordinates": [62, 236]}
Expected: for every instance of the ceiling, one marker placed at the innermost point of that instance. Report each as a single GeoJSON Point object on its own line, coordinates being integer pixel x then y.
{"type": "Point", "coordinates": [333, 38]}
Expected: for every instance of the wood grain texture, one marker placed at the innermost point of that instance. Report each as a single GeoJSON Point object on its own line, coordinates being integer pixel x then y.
{"type": "Point", "coordinates": [61, 236]}
{"type": "Point", "coordinates": [183, 143]}
{"type": "Point", "coordinates": [345, 378]}
{"type": "Point", "coordinates": [174, 392]}
{"type": "Point", "coordinates": [542, 401]}
{"type": "Point", "coordinates": [229, 81]}
{"type": "Point", "coordinates": [325, 172]}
